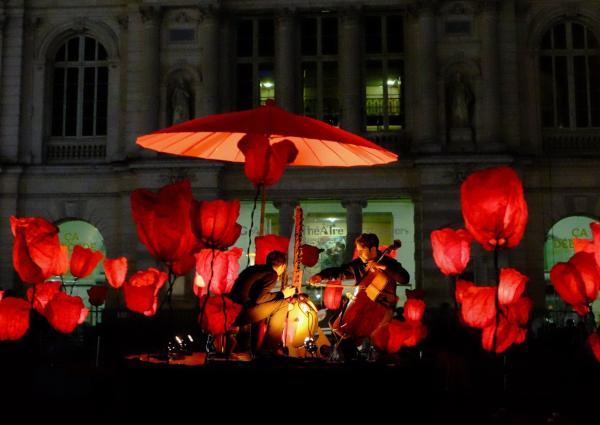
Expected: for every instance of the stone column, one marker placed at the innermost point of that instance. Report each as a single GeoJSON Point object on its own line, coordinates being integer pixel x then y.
{"type": "Point", "coordinates": [286, 217]}
{"type": "Point", "coordinates": [427, 96]}
{"type": "Point", "coordinates": [349, 71]}
{"type": "Point", "coordinates": [490, 140]}
{"type": "Point", "coordinates": [353, 224]}
{"type": "Point", "coordinates": [285, 80]}
{"type": "Point", "coordinates": [209, 59]}
{"type": "Point", "coordinates": [150, 71]}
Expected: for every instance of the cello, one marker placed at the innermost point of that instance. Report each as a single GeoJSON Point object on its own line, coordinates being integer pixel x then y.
{"type": "Point", "coordinates": [363, 313]}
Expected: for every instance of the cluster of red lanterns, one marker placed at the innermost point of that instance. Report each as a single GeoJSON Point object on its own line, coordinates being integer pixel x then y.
{"type": "Point", "coordinates": [495, 215]}
{"type": "Point", "coordinates": [38, 257]}
{"type": "Point", "coordinates": [577, 281]}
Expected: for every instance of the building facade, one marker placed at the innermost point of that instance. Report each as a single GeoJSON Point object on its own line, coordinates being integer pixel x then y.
{"type": "Point", "coordinates": [451, 86]}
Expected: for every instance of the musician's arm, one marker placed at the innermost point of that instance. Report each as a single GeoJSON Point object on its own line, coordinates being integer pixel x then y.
{"type": "Point", "coordinates": [395, 271]}
{"type": "Point", "coordinates": [331, 273]}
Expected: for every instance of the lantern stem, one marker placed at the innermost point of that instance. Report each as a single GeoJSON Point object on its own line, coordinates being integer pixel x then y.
{"type": "Point", "coordinates": [263, 201]}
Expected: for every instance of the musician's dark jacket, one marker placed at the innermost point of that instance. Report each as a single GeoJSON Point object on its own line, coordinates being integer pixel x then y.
{"type": "Point", "coordinates": [254, 284]}
{"type": "Point", "coordinates": [395, 273]}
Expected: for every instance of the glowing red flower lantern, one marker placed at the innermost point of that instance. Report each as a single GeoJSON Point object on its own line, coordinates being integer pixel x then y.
{"type": "Point", "coordinates": [64, 312]}
{"type": "Point", "coordinates": [506, 335]}
{"type": "Point", "coordinates": [141, 290]}
{"type": "Point", "coordinates": [517, 313]}
{"type": "Point", "coordinates": [416, 331]}
{"type": "Point", "coordinates": [512, 285]}
{"type": "Point", "coordinates": [594, 342]}
{"type": "Point", "coordinates": [220, 268]}
{"type": "Point", "coordinates": [414, 309]}
{"type": "Point", "coordinates": [14, 318]}
{"type": "Point", "coordinates": [216, 223]}
{"type": "Point", "coordinates": [267, 243]}
{"type": "Point", "coordinates": [116, 271]}
{"type": "Point", "coordinates": [163, 220]}
{"type": "Point", "coordinates": [264, 163]}
{"type": "Point", "coordinates": [44, 292]}
{"type": "Point", "coordinates": [219, 314]}
{"type": "Point", "coordinates": [84, 261]}
{"type": "Point", "coordinates": [1, 295]}
{"type": "Point", "coordinates": [37, 253]}
{"type": "Point", "coordinates": [310, 255]}
{"type": "Point", "coordinates": [461, 287]}
{"type": "Point", "coordinates": [479, 306]}
{"type": "Point", "coordinates": [97, 295]}
{"type": "Point", "coordinates": [390, 337]}
{"type": "Point", "coordinates": [332, 296]}
{"type": "Point", "coordinates": [494, 208]}
{"type": "Point", "coordinates": [577, 281]}
{"type": "Point", "coordinates": [451, 250]}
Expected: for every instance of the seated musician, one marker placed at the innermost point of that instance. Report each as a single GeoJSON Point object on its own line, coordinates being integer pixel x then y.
{"type": "Point", "coordinates": [367, 246]}
{"type": "Point", "coordinates": [252, 289]}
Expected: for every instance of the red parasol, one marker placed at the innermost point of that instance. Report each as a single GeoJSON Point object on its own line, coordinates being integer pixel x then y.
{"type": "Point", "coordinates": [216, 137]}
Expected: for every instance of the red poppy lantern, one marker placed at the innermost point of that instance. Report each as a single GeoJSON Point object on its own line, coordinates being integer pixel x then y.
{"type": "Point", "coordinates": [461, 287]}
{"type": "Point", "coordinates": [494, 207]}
{"type": "Point", "coordinates": [219, 314]}
{"type": "Point", "coordinates": [512, 285]}
{"type": "Point", "coordinates": [451, 250]}
{"type": "Point", "coordinates": [14, 318]}
{"type": "Point", "coordinates": [216, 223]}
{"type": "Point", "coordinates": [163, 220]}
{"type": "Point", "coordinates": [577, 281]}
{"type": "Point", "coordinates": [310, 255]}
{"type": "Point", "coordinates": [414, 309]}
{"type": "Point", "coordinates": [267, 243]}
{"type": "Point", "coordinates": [332, 295]}
{"type": "Point", "coordinates": [264, 163]}
{"type": "Point", "coordinates": [506, 334]}
{"type": "Point", "coordinates": [84, 261]}
{"type": "Point", "coordinates": [390, 337]}
{"type": "Point", "coordinates": [64, 312]}
{"type": "Point", "coordinates": [220, 268]}
{"type": "Point", "coordinates": [116, 271]}
{"type": "Point", "coordinates": [140, 291]}
{"type": "Point", "coordinates": [479, 306]}
{"type": "Point", "coordinates": [44, 292]}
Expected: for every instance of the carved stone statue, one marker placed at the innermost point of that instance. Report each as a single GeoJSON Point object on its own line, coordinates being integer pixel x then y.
{"type": "Point", "coordinates": [460, 102]}
{"type": "Point", "coordinates": [180, 102]}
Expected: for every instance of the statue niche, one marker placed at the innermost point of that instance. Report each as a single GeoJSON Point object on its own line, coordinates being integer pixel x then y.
{"type": "Point", "coordinates": [180, 101]}
{"type": "Point", "coordinates": [460, 103]}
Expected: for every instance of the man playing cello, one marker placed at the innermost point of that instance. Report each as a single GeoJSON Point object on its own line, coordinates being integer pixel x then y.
{"type": "Point", "coordinates": [376, 276]}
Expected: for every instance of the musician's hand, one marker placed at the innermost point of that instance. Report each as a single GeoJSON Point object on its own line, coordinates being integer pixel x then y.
{"type": "Point", "coordinates": [379, 266]}
{"type": "Point", "coordinates": [314, 279]}
{"type": "Point", "coordinates": [290, 291]}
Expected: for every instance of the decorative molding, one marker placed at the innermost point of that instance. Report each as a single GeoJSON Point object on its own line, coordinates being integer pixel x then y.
{"type": "Point", "coordinates": [351, 202]}
{"type": "Point", "coordinates": [123, 21]}
{"type": "Point", "coordinates": [176, 174]}
{"type": "Point", "coordinates": [150, 15]}
{"type": "Point", "coordinates": [80, 25]}
{"type": "Point", "coordinates": [423, 8]}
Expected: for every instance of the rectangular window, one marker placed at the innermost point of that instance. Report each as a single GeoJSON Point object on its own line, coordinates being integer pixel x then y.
{"type": "Point", "coordinates": [319, 68]}
{"type": "Point", "coordinates": [71, 103]}
{"type": "Point", "coordinates": [546, 91]}
{"type": "Point", "coordinates": [244, 90]}
{"type": "Point", "coordinates": [384, 69]}
{"type": "Point", "coordinates": [58, 97]}
{"type": "Point", "coordinates": [581, 91]}
{"type": "Point", "coordinates": [562, 91]}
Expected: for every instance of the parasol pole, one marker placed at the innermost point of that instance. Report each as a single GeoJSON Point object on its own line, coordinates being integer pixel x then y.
{"type": "Point", "coordinates": [263, 202]}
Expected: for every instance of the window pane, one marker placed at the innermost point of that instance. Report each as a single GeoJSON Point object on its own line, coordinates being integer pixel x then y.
{"type": "Point", "coordinates": [560, 38]}
{"type": "Point", "coordinates": [578, 38]}
{"type": "Point", "coordinates": [244, 38]}
{"type": "Point", "coordinates": [90, 49]}
{"type": "Point", "coordinates": [61, 55]}
{"type": "Point", "coordinates": [102, 55]}
{"type": "Point", "coordinates": [58, 95]}
{"type": "Point", "coordinates": [308, 36]}
{"type": "Point", "coordinates": [581, 92]}
{"type": "Point", "coordinates": [394, 87]}
{"type": "Point", "coordinates": [374, 95]}
{"type": "Point", "coordinates": [547, 40]}
{"type": "Point", "coordinates": [594, 70]}
{"type": "Point", "coordinates": [373, 34]}
{"type": "Point", "coordinates": [101, 101]}
{"type": "Point", "coordinates": [89, 84]}
{"type": "Point", "coordinates": [546, 91]}
{"type": "Point", "coordinates": [394, 34]}
{"type": "Point", "coordinates": [562, 95]}
{"type": "Point", "coordinates": [329, 36]}
{"type": "Point", "coordinates": [331, 107]}
{"type": "Point", "coordinates": [73, 49]}
{"type": "Point", "coordinates": [309, 88]}
{"type": "Point", "coordinates": [591, 40]}
{"type": "Point", "coordinates": [266, 43]}
{"type": "Point", "coordinates": [244, 86]}
{"type": "Point", "coordinates": [71, 107]}
{"type": "Point", "coordinates": [266, 82]}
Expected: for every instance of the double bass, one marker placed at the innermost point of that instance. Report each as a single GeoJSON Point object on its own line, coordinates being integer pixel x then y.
{"type": "Point", "coordinates": [363, 314]}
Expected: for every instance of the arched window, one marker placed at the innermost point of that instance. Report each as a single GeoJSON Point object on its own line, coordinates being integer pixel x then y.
{"type": "Point", "coordinates": [569, 65]}
{"type": "Point", "coordinates": [80, 88]}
